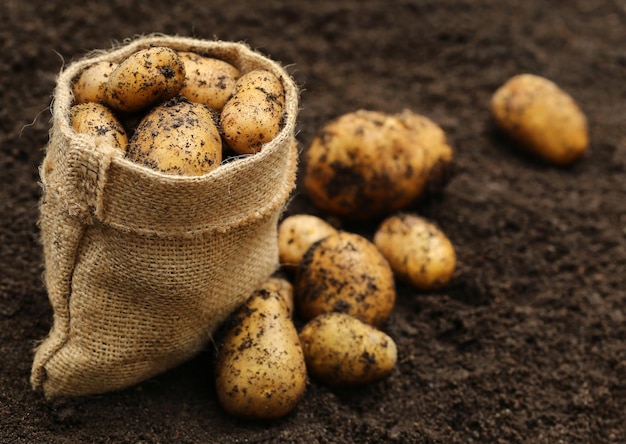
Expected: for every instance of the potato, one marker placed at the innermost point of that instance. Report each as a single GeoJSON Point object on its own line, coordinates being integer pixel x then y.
{"type": "Point", "coordinates": [418, 251]}
{"type": "Point", "coordinates": [253, 115]}
{"type": "Point", "coordinates": [366, 164]}
{"type": "Point", "coordinates": [99, 121]}
{"type": "Point", "coordinates": [283, 288]}
{"type": "Point", "coordinates": [177, 137]}
{"type": "Point", "coordinates": [541, 118]}
{"type": "Point", "coordinates": [208, 80]}
{"type": "Point", "coordinates": [345, 272]}
{"type": "Point", "coordinates": [91, 83]}
{"type": "Point", "coordinates": [296, 234]}
{"type": "Point", "coordinates": [260, 368]}
{"type": "Point", "coordinates": [341, 350]}
{"type": "Point", "coordinates": [147, 77]}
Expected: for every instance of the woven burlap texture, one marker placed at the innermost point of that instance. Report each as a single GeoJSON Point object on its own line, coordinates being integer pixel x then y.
{"type": "Point", "coordinates": [141, 267]}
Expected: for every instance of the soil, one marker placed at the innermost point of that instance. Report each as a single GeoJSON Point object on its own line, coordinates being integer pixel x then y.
{"type": "Point", "coordinates": [528, 342]}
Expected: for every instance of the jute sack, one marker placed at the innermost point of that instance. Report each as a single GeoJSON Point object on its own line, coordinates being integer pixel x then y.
{"type": "Point", "coordinates": [141, 267]}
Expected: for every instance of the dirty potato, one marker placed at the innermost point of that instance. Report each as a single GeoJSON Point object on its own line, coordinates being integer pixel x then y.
{"type": "Point", "coordinates": [99, 121]}
{"type": "Point", "coordinates": [296, 234]}
{"type": "Point", "coordinates": [177, 137]}
{"type": "Point", "coordinates": [417, 250]}
{"type": "Point", "coordinates": [253, 115]}
{"type": "Point", "coordinates": [345, 272]}
{"type": "Point", "coordinates": [366, 164]}
{"type": "Point", "coordinates": [91, 83]}
{"type": "Point", "coordinates": [260, 369]}
{"type": "Point", "coordinates": [208, 80]}
{"type": "Point", "coordinates": [541, 118]}
{"type": "Point", "coordinates": [283, 288]}
{"type": "Point", "coordinates": [147, 77]}
{"type": "Point", "coordinates": [341, 350]}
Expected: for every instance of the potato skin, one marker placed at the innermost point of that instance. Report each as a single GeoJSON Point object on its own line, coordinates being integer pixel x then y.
{"type": "Point", "coordinates": [418, 251]}
{"type": "Point", "coordinates": [366, 164]}
{"type": "Point", "coordinates": [341, 350]}
{"type": "Point", "coordinates": [253, 115]}
{"type": "Point", "coordinates": [99, 121]}
{"type": "Point", "coordinates": [177, 137]}
{"type": "Point", "coordinates": [91, 83]}
{"type": "Point", "coordinates": [542, 118]}
{"type": "Point", "coordinates": [147, 77]}
{"type": "Point", "coordinates": [283, 288]}
{"type": "Point", "coordinates": [296, 233]}
{"type": "Point", "coordinates": [260, 369]}
{"type": "Point", "coordinates": [208, 80]}
{"type": "Point", "coordinates": [345, 272]}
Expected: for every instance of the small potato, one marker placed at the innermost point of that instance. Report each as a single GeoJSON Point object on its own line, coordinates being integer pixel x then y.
{"type": "Point", "coordinates": [177, 137]}
{"type": "Point", "coordinates": [147, 77]}
{"type": "Point", "coordinates": [366, 164]}
{"type": "Point", "coordinates": [419, 252]}
{"type": "Point", "coordinates": [208, 80]}
{"type": "Point", "coordinates": [253, 115]}
{"type": "Point", "coordinates": [345, 272]}
{"type": "Point", "coordinates": [283, 288]}
{"type": "Point", "coordinates": [341, 350]}
{"type": "Point", "coordinates": [542, 118]}
{"type": "Point", "coordinates": [99, 121]}
{"type": "Point", "coordinates": [91, 83]}
{"type": "Point", "coordinates": [296, 234]}
{"type": "Point", "coordinates": [260, 369]}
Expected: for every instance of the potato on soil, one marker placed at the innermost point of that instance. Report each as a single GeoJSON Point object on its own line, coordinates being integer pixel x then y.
{"type": "Point", "coordinates": [99, 121]}
{"type": "Point", "coordinates": [91, 83]}
{"type": "Point", "coordinates": [345, 272]}
{"type": "Point", "coordinates": [260, 369]}
{"type": "Point", "coordinates": [541, 118]}
{"type": "Point", "coordinates": [296, 233]}
{"type": "Point", "coordinates": [146, 78]}
{"type": "Point", "coordinates": [341, 350]}
{"type": "Point", "coordinates": [208, 80]}
{"type": "Point", "coordinates": [366, 164]}
{"type": "Point", "coordinates": [177, 137]}
{"type": "Point", "coordinates": [417, 250]}
{"type": "Point", "coordinates": [253, 115]}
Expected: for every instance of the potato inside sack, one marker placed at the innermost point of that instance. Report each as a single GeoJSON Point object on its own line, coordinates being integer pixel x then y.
{"type": "Point", "coordinates": [208, 80]}
{"type": "Point", "coordinates": [177, 137]}
{"type": "Point", "coordinates": [99, 121]}
{"type": "Point", "coordinates": [341, 350]}
{"type": "Point", "coordinates": [260, 369]}
{"type": "Point", "coordinates": [146, 78]}
{"type": "Point", "coordinates": [367, 164]}
{"type": "Point", "coordinates": [541, 118]}
{"type": "Point", "coordinates": [296, 233]}
{"type": "Point", "coordinates": [346, 273]}
{"type": "Point", "coordinates": [417, 250]}
{"type": "Point", "coordinates": [91, 83]}
{"type": "Point", "coordinates": [254, 114]}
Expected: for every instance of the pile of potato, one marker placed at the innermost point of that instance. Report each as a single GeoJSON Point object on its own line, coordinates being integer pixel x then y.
{"type": "Point", "coordinates": [175, 111]}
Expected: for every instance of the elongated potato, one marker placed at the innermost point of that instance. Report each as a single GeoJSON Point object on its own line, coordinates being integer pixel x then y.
{"type": "Point", "coordinates": [542, 118]}
{"type": "Point", "coordinates": [99, 121]}
{"type": "Point", "coordinates": [296, 234]}
{"type": "Point", "coordinates": [417, 250]}
{"type": "Point", "coordinates": [91, 83]}
{"type": "Point", "coordinates": [366, 164]}
{"type": "Point", "coordinates": [208, 80]}
{"type": "Point", "coordinates": [345, 272]}
{"type": "Point", "coordinates": [253, 115]}
{"type": "Point", "coordinates": [260, 369]}
{"type": "Point", "coordinates": [146, 78]}
{"type": "Point", "coordinates": [177, 138]}
{"type": "Point", "coordinates": [341, 350]}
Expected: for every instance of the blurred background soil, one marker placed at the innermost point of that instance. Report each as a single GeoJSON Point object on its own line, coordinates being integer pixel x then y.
{"type": "Point", "coordinates": [527, 344]}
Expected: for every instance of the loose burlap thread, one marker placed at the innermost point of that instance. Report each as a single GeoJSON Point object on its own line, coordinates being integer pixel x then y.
{"type": "Point", "coordinates": [141, 267]}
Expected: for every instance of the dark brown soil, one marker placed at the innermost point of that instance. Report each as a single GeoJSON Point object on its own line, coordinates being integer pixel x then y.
{"type": "Point", "coordinates": [528, 343]}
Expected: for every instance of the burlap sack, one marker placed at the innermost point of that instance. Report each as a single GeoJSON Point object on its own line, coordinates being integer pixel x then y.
{"type": "Point", "coordinates": [140, 266]}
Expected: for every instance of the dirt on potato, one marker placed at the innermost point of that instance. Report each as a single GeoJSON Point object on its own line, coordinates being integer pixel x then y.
{"type": "Point", "coordinates": [528, 341]}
